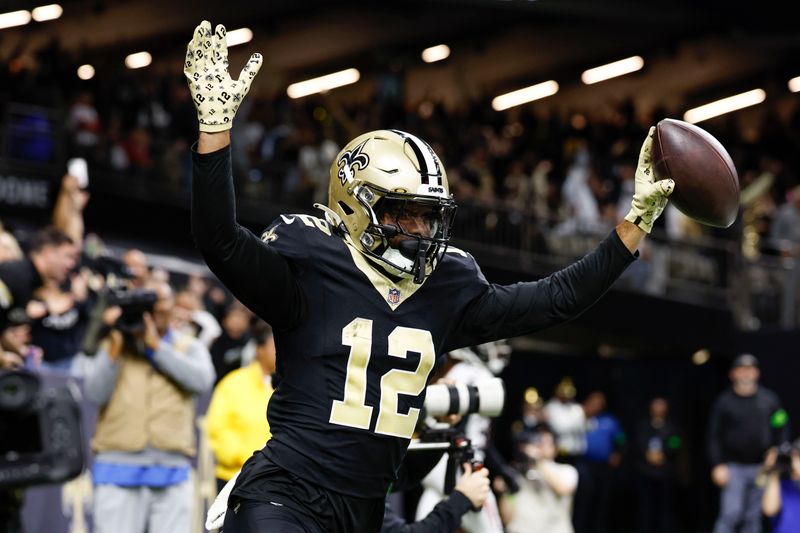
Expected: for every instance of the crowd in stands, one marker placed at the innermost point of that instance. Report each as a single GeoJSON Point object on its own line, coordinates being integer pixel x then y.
{"type": "Point", "coordinates": [569, 170]}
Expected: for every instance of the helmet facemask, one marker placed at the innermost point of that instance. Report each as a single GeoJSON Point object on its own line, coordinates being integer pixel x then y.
{"type": "Point", "coordinates": [408, 234]}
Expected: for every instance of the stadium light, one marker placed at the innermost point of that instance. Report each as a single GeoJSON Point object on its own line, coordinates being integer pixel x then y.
{"type": "Point", "coordinates": [726, 105]}
{"type": "Point", "coordinates": [86, 72]}
{"type": "Point", "coordinates": [240, 36]}
{"type": "Point", "coordinates": [701, 357]}
{"type": "Point", "coordinates": [138, 60]}
{"type": "Point", "coordinates": [48, 12]}
{"type": "Point", "coordinates": [523, 96]}
{"type": "Point", "coordinates": [323, 83]}
{"type": "Point", "coordinates": [14, 18]}
{"type": "Point", "coordinates": [436, 53]}
{"type": "Point", "coordinates": [612, 70]}
{"type": "Point", "coordinates": [794, 84]}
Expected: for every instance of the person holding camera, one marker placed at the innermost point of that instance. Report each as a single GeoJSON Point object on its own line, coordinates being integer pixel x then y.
{"type": "Point", "coordinates": [745, 421]}
{"type": "Point", "coordinates": [471, 367]}
{"type": "Point", "coordinates": [51, 257]}
{"type": "Point", "coordinates": [781, 499]}
{"type": "Point", "coordinates": [144, 378]}
{"type": "Point", "coordinates": [470, 493]}
{"type": "Point", "coordinates": [544, 500]}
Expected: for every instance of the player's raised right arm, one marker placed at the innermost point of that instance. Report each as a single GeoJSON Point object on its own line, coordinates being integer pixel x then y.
{"type": "Point", "coordinates": [258, 276]}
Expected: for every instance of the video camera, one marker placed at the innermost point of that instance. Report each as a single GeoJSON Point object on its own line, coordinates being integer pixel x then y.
{"type": "Point", "coordinates": [134, 304]}
{"type": "Point", "coordinates": [41, 432]}
{"type": "Point", "coordinates": [783, 461]}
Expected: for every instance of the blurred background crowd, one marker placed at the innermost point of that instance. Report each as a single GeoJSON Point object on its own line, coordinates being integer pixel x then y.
{"type": "Point", "coordinates": [677, 435]}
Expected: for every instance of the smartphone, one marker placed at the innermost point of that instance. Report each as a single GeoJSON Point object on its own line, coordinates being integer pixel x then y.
{"type": "Point", "coordinates": [77, 167]}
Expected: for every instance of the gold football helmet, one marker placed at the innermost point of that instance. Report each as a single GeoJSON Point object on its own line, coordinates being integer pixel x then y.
{"type": "Point", "coordinates": [388, 191]}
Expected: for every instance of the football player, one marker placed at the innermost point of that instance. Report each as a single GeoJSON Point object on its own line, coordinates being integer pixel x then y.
{"type": "Point", "coordinates": [361, 301]}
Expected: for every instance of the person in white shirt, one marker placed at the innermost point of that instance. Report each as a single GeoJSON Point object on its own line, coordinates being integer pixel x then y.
{"type": "Point", "coordinates": [543, 503]}
{"type": "Point", "coordinates": [568, 421]}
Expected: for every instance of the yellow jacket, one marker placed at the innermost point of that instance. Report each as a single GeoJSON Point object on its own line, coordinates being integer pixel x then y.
{"type": "Point", "coordinates": [237, 418]}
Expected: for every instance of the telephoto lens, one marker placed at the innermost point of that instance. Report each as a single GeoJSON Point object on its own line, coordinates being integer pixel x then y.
{"type": "Point", "coordinates": [485, 398]}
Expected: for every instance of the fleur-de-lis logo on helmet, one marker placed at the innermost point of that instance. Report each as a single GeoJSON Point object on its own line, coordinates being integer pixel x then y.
{"type": "Point", "coordinates": [351, 160]}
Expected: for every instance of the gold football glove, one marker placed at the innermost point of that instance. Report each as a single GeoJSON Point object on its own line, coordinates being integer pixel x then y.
{"type": "Point", "coordinates": [649, 196]}
{"type": "Point", "coordinates": [216, 96]}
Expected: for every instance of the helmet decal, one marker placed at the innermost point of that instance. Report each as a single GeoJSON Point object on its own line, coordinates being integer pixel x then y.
{"type": "Point", "coordinates": [427, 161]}
{"type": "Point", "coordinates": [351, 160]}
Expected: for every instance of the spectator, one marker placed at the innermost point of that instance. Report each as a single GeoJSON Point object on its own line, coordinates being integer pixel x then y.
{"type": "Point", "coordinates": [191, 318]}
{"type": "Point", "coordinates": [544, 500]}
{"type": "Point", "coordinates": [785, 232]}
{"type": "Point", "coordinates": [84, 123]}
{"type": "Point", "coordinates": [51, 257]}
{"type": "Point", "coordinates": [655, 451]}
{"type": "Point", "coordinates": [568, 421]}
{"type": "Point", "coordinates": [314, 161]}
{"type": "Point", "coordinates": [144, 382]}
{"type": "Point", "coordinates": [68, 211]}
{"type": "Point", "coordinates": [227, 350]}
{"type": "Point", "coordinates": [781, 499]}
{"type": "Point", "coordinates": [235, 418]}
{"type": "Point", "coordinates": [745, 421]}
{"type": "Point", "coordinates": [604, 441]}
{"type": "Point", "coordinates": [532, 412]}
{"type": "Point", "coordinates": [15, 341]}
{"type": "Point", "coordinates": [9, 247]}
{"type": "Point", "coordinates": [137, 267]}
{"type": "Point", "coordinates": [60, 321]}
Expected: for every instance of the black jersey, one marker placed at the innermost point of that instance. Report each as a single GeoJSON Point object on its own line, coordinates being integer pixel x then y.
{"type": "Point", "coordinates": [355, 348]}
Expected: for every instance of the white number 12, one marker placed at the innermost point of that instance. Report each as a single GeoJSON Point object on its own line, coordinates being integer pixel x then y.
{"type": "Point", "coordinates": [352, 411]}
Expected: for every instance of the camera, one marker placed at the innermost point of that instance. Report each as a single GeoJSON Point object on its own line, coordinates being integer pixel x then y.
{"type": "Point", "coordinates": [783, 461]}
{"type": "Point", "coordinates": [134, 303]}
{"type": "Point", "coordinates": [41, 432]}
{"type": "Point", "coordinates": [485, 398]}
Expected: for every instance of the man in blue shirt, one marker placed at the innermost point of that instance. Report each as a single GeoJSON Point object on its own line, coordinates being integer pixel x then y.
{"type": "Point", "coordinates": [604, 439]}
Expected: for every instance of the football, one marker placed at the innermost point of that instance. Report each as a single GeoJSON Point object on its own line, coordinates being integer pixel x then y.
{"type": "Point", "coordinates": [706, 182]}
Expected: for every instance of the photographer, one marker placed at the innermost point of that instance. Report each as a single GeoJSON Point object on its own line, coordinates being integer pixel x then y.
{"type": "Point", "coordinates": [544, 500]}
{"type": "Point", "coordinates": [144, 379]}
{"type": "Point", "coordinates": [470, 493]}
{"type": "Point", "coordinates": [781, 499]}
{"type": "Point", "coordinates": [472, 366]}
{"type": "Point", "coordinates": [51, 257]}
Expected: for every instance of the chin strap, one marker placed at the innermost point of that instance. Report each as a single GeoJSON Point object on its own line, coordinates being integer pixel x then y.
{"type": "Point", "coordinates": [417, 251]}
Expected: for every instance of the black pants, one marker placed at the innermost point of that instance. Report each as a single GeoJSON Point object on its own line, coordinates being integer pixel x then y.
{"type": "Point", "coordinates": [655, 504]}
{"type": "Point", "coordinates": [267, 493]}
{"type": "Point", "coordinates": [250, 516]}
{"type": "Point", "coordinates": [10, 510]}
{"type": "Point", "coordinates": [593, 497]}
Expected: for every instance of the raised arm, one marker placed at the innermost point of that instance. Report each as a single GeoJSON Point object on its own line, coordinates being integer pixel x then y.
{"type": "Point", "coordinates": [508, 311]}
{"type": "Point", "coordinates": [257, 275]}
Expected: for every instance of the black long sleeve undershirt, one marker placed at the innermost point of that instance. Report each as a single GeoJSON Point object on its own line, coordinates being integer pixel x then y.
{"type": "Point", "coordinates": [257, 275]}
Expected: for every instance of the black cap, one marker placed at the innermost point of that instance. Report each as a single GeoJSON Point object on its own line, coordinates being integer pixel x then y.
{"type": "Point", "coordinates": [745, 359]}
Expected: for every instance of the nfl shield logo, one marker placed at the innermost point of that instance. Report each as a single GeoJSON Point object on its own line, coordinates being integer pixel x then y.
{"type": "Point", "coordinates": [394, 296]}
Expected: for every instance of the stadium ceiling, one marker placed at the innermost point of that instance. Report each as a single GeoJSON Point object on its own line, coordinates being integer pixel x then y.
{"type": "Point", "coordinates": [692, 49]}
